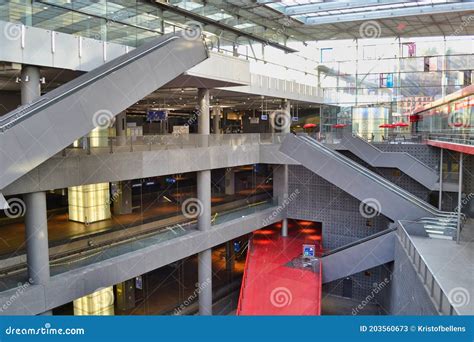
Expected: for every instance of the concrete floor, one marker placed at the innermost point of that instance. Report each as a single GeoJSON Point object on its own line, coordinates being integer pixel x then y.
{"type": "Point", "coordinates": [452, 265]}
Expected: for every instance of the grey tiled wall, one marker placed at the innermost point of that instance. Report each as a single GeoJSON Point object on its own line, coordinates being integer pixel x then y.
{"type": "Point", "coordinates": [320, 201]}
{"type": "Point", "coordinates": [408, 295]}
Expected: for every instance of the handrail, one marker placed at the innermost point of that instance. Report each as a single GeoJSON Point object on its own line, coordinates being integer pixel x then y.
{"type": "Point", "coordinates": [357, 242]}
{"type": "Point", "coordinates": [19, 114]}
{"type": "Point", "coordinates": [244, 278]}
{"type": "Point", "coordinates": [355, 136]}
{"type": "Point", "coordinates": [378, 179]}
{"type": "Point", "coordinates": [427, 275]}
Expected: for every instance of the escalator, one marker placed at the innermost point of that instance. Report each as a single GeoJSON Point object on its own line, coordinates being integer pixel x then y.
{"type": "Point", "coordinates": [33, 133]}
{"type": "Point", "coordinates": [363, 184]}
{"type": "Point", "coordinates": [403, 161]}
{"type": "Point", "coordinates": [358, 256]}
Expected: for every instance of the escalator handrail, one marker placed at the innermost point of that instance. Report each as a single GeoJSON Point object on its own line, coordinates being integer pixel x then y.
{"type": "Point", "coordinates": [380, 180]}
{"type": "Point", "coordinates": [400, 152]}
{"type": "Point", "coordinates": [22, 112]}
{"type": "Point", "coordinates": [357, 242]}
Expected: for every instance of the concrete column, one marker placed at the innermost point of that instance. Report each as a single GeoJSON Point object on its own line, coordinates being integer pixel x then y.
{"type": "Point", "coordinates": [204, 219]}
{"type": "Point", "coordinates": [30, 84]}
{"type": "Point", "coordinates": [121, 128]}
{"type": "Point", "coordinates": [36, 225]}
{"type": "Point", "coordinates": [229, 182]}
{"type": "Point", "coordinates": [216, 111]}
{"type": "Point", "coordinates": [122, 197]}
{"type": "Point", "coordinates": [229, 259]}
{"type": "Point", "coordinates": [286, 105]}
{"type": "Point", "coordinates": [458, 235]}
{"type": "Point", "coordinates": [440, 199]}
{"type": "Point", "coordinates": [36, 220]}
{"type": "Point", "coordinates": [284, 223]}
{"type": "Point", "coordinates": [204, 117]}
{"type": "Point", "coordinates": [205, 282]}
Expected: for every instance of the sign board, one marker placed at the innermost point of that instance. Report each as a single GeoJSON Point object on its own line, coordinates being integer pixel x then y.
{"type": "Point", "coordinates": [309, 251]}
{"type": "Point", "coordinates": [139, 282]}
{"type": "Point", "coordinates": [264, 117]}
{"type": "Point", "coordinates": [254, 120]}
{"type": "Point", "coordinates": [156, 115]}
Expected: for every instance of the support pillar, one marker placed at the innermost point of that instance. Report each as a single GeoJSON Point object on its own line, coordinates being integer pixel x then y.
{"type": "Point", "coordinates": [229, 259]}
{"type": "Point", "coordinates": [36, 220]}
{"type": "Point", "coordinates": [37, 249]}
{"type": "Point", "coordinates": [458, 230]}
{"type": "Point", "coordinates": [204, 219]}
{"type": "Point", "coordinates": [440, 199]}
{"type": "Point", "coordinates": [216, 111]}
{"type": "Point", "coordinates": [286, 105]}
{"type": "Point", "coordinates": [121, 129]}
{"type": "Point", "coordinates": [284, 223]}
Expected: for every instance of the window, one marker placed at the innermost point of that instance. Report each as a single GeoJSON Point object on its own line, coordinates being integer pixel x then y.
{"type": "Point", "coordinates": [430, 64]}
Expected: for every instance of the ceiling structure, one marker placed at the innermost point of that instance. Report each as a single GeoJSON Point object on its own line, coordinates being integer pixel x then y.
{"type": "Point", "coordinates": [308, 20]}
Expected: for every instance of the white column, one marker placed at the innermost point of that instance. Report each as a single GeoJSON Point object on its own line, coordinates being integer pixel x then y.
{"type": "Point", "coordinates": [204, 219]}
{"type": "Point", "coordinates": [36, 221]}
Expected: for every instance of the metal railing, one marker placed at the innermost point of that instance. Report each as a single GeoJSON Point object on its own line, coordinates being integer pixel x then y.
{"type": "Point", "coordinates": [434, 290]}
{"type": "Point", "coordinates": [113, 144]}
